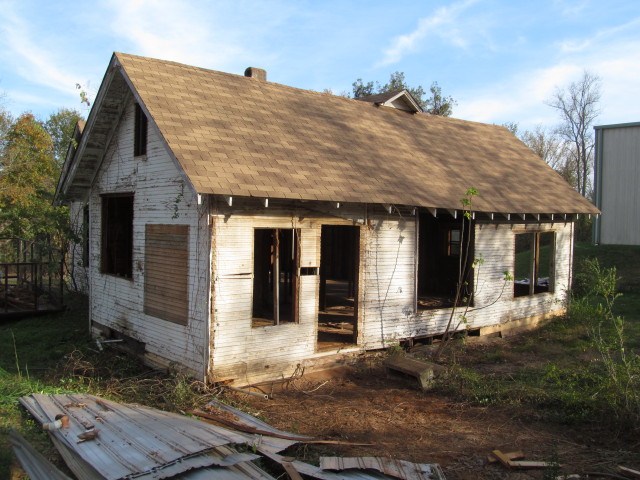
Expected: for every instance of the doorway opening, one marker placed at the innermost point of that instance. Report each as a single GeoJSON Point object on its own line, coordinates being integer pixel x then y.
{"type": "Point", "coordinates": [338, 299]}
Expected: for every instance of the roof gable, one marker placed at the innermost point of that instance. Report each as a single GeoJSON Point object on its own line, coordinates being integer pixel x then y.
{"type": "Point", "coordinates": [231, 135]}
{"type": "Point", "coordinates": [400, 99]}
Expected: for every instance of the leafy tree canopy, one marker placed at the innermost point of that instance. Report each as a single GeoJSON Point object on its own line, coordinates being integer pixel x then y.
{"type": "Point", "coordinates": [436, 104]}
{"type": "Point", "coordinates": [60, 126]}
{"type": "Point", "coordinates": [29, 174]}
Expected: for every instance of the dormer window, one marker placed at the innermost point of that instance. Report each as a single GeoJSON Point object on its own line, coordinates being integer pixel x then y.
{"type": "Point", "coordinates": [401, 99]}
{"type": "Point", "coordinates": [140, 133]}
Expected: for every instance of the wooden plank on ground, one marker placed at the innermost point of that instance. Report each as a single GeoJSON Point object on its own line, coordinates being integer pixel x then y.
{"type": "Point", "coordinates": [518, 455]}
{"type": "Point", "coordinates": [628, 471]}
{"type": "Point", "coordinates": [424, 371]}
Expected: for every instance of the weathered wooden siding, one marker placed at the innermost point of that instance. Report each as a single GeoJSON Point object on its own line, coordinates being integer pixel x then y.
{"type": "Point", "coordinates": [494, 301]}
{"type": "Point", "coordinates": [387, 304]}
{"type": "Point", "coordinates": [161, 196]}
{"type": "Point", "coordinates": [619, 157]}
{"type": "Point", "coordinates": [240, 351]}
{"type": "Point", "coordinates": [78, 273]}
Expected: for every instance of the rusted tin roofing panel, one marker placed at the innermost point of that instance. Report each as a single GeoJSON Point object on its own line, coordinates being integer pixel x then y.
{"type": "Point", "coordinates": [240, 418]}
{"type": "Point", "coordinates": [131, 439]}
{"type": "Point", "coordinates": [390, 466]}
{"type": "Point", "coordinates": [32, 461]}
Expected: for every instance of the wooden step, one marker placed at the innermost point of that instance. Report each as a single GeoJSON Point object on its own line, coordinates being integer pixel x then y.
{"type": "Point", "coordinates": [424, 371]}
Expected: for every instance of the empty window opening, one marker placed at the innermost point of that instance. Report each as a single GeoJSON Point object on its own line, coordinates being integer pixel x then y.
{"type": "Point", "coordinates": [275, 276]}
{"type": "Point", "coordinates": [339, 264]}
{"type": "Point", "coordinates": [117, 235]}
{"type": "Point", "coordinates": [445, 257]}
{"type": "Point", "coordinates": [534, 258]}
{"type": "Point", "coordinates": [140, 132]}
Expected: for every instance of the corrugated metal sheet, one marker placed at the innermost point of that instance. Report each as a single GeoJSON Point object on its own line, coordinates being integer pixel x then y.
{"type": "Point", "coordinates": [249, 421]}
{"type": "Point", "coordinates": [32, 461]}
{"type": "Point", "coordinates": [135, 442]}
{"type": "Point", "coordinates": [390, 466]}
{"type": "Point", "coordinates": [132, 441]}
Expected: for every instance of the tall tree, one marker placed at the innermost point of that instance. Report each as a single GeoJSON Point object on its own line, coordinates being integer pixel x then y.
{"type": "Point", "coordinates": [436, 104]}
{"type": "Point", "coordinates": [60, 126]}
{"type": "Point", "coordinates": [578, 105]}
{"type": "Point", "coordinates": [553, 150]}
{"type": "Point", "coordinates": [28, 175]}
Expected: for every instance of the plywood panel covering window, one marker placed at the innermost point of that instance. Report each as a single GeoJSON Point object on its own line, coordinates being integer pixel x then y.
{"type": "Point", "coordinates": [534, 259]}
{"type": "Point", "coordinates": [117, 235]}
{"type": "Point", "coordinates": [166, 274]}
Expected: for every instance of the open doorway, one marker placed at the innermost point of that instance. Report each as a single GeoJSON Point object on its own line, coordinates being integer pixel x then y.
{"type": "Point", "coordinates": [338, 300]}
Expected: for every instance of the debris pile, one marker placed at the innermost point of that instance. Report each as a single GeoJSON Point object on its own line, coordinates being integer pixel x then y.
{"type": "Point", "coordinates": [104, 440]}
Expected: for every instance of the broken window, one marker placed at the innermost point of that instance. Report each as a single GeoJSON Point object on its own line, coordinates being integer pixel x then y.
{"type": "Point", "coordinates": [443, 243]}
{"type": "Point", "coordinates": [117, 235]}
{"type": "Point", "coordinates": [140, 132]}
{"type": "Point", "coordinates": [534, 259]}
{"type": "Point", "coordinates": [455, 239]}
{"type": "Point", "coordinates": [275, 276]}
{"type": "Point", "coordinates": [166, 272]}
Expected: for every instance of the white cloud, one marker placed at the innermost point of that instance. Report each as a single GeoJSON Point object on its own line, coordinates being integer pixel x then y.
{"type": "Point", "coordinates": [613, 54]}
{"type": "Point", "coordinates": [443, 23]}
{"type": "Point", "coordinates": [35, 62]}
{"type": "Point", "coordinates": [202, 34]}
{"type": "Point", "coordinates": [600, 37]}
{"type": "Point", "coordinates": [521, 98]}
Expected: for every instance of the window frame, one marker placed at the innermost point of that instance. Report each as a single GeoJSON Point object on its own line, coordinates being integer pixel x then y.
{"type": "Point", "coordinates": [274, 271]}
{"type": "Point", "coordinates": [534, 266]}
{"type": "Point", "coordinates": [140, 135]}
{"type": "Point", "coordinates": [111, 246]}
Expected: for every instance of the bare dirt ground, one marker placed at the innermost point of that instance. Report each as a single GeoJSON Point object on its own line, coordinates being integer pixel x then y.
{"type": "Point", "coordinates": [367, 405]}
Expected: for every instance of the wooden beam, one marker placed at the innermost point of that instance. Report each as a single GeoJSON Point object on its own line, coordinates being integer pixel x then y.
{"type": "Point", "coordinates": [454, 213]}
{"type": "Point", "coordinates": [507, 216]}
{"type": "Point", "coordinates": [523, 216]}
{"type": "Point", "coordinates": [229, 200]}
{"type": "Point", "coordinates": [266, 203]}
{"type": "Point", "coordinates": [433, 211]}
{"type": "Point", "coordinates": [388, 207]}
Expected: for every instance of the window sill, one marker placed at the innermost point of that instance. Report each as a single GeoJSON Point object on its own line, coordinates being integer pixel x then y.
{"type": "Point", "coordinates": [114, 275]}
{"type": "Point", "coordinates": [539, 294]}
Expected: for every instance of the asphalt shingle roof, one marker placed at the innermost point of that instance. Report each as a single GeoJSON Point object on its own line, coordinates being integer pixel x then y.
{"type": "Point", "coordinates": [241, 136]}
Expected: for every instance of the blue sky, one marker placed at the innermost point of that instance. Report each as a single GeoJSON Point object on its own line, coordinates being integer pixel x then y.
{"type": "Point", "coordinates": [501, 60]}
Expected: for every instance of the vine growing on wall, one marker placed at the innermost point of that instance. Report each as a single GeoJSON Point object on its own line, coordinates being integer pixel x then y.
{"type": "Point", "coordinates": [466, 271]}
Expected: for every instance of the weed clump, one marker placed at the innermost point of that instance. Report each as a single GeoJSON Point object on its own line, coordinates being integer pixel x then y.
{"type": "Point", "coordinates": [617, 369]}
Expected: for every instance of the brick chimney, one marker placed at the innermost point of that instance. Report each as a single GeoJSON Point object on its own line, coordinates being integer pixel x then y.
{"type": "Point", "coordinates": [254, 72]}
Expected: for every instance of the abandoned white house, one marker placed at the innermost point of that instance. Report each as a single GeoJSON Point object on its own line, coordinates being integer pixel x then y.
{"type": "Point", "coordinates": [617, 184]}
{"type": "Point", "coordinates": [238, 228]}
